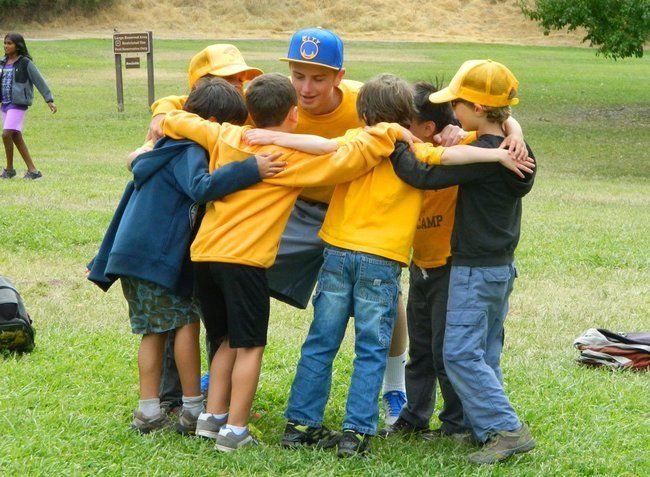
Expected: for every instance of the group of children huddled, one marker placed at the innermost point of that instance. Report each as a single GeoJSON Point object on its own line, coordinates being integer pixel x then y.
{"type": "Point", "coordinates": [179, 262]}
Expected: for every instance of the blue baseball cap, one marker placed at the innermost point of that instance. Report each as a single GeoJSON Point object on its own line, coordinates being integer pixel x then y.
{"type": "Point", "coordinates": [316, 46]}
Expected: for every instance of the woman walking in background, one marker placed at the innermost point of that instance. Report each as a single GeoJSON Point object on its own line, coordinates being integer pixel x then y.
{"type": "Point", "coordinates": [18, 77]}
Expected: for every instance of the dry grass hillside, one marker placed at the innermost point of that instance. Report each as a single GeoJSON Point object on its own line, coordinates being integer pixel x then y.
{"type": "Point", "coordinates": [491, 21]}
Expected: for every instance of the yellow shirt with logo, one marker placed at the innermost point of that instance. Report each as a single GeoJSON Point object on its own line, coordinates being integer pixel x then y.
{"type": "Point", "coordinates": [432, 241]}
{"type": "Point", "coordinates": [377, 213]}
{"type": "Point", "coordinates": [331, 125]}
{"type": "Point", "coordinates": [245, 227]}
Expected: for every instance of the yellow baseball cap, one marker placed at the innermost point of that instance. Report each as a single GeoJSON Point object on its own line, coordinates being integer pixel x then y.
{"type": "Point", "coordinates": [484, 82]}
{"type": "Point", "coordinates": [219, 60]}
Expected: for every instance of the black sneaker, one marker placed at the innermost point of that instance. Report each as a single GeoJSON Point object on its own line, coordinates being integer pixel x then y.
{"type": "Point", "coordinates": [353, 443]}
{"type": "Point", "coordinates": [33, 175]}
{"type": "Point", "coordinates": [296, 435]}
{"type": "Point", "coordinates": [8, 173]}
{"type": "Point", "coordinates": [401, 426]}
{"type": "Point", "coordinates": [465, 437]}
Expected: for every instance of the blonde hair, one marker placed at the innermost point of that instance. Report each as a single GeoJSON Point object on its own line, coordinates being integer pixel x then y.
{"type": "Point", "coordinates": [499, 114]}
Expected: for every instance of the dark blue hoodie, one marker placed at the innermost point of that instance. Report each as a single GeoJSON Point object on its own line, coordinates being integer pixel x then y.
{"type": "Point", "coordinates": [150, 233]}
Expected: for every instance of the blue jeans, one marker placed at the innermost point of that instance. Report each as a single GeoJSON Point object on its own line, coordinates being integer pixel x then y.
{"type": "Point", "coordinates": [365, 286]}
{"type": "Point", "coordinates": [476, 310]}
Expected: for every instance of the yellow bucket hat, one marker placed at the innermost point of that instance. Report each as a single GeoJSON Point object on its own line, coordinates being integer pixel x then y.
{"type": "Point", "coordinates": [483, 82]}
{"type": "Point", "coordinates": [219, 60]}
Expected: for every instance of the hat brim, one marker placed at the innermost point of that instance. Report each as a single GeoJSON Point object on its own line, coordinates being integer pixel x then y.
{"type": "Point", "coordinates": [291, 60]}
{"type": "Point", "coordinates": [230, 70]}
{"type": "Point", "coordinates": [443, 96]}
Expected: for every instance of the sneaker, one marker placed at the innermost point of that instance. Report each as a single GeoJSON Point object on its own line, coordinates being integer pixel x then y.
{"type": "Point", "coordinates": [145, 425]}
{"type": "Point", "coordinates": [205, 383]}
{"type": "Point", "coordinates": [170, 408]}
{"type": "Point", "coordinates": [8, 173]}
{"type": "Point", "coordinates": [394, 401]}
{"type": "Point", "coordinates": [209, 426]}
{"type": "Point", "coordinates": [353, 443]}
{"type": "Point", "coordinates": [186, 424]}
{"type": "Point", "coordinates": [502, 445]}
{"type": "Point", "coordinates": [461, 437]}
{"type": "Point", "coordinates": [33, 175]}
{"type": "Point", "coordinates": [230, 441]}
{"type": "Point", "coordinates": [402, 426]}
{"type": "Point", "coordinates": [296, 435]}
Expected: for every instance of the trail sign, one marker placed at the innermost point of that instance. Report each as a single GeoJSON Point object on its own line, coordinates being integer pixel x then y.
{"type": "Point", "coordinates": [132, 62]}
{"type": "Point", "coordinates": [132, 43]}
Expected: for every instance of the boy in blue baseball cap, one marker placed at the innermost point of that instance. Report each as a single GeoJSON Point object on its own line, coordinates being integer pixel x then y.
{"type": "Point", "coordinates": [326, 108]}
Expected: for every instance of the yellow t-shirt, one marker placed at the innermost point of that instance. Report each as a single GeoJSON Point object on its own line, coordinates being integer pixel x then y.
{"type": "Point", "coordinates": [377, 213]}
{"type": "Point", "coordinates": [432, 241]}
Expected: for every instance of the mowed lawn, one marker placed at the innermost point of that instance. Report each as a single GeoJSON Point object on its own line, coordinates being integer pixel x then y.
{"type": "Point", "coordinates": [583, 260]}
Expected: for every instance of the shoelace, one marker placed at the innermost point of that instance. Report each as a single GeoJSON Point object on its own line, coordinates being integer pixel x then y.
{"type": "Point", "coordinates": [395, 402]}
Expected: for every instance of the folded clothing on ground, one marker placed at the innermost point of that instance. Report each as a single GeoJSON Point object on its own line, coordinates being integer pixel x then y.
{"type": "Point", "coordinates": [600, 347]}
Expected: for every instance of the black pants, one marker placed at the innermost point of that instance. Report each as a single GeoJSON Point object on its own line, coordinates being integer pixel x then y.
{"type": "Point", "coordinates": [426, 318]}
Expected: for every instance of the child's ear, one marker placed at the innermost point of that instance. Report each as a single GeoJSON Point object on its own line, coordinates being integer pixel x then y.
{"type": "Point", "coordinates": [293, 114]}
{"type": "Point", "coordinates": [339, 76]}
{"type": "Point", "coordinates": [430, 128]}
{"type": "Point", "coordinates": [478, 109]}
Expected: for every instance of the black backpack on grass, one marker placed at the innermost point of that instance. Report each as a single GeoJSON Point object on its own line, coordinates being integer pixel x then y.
{"type": "Point", "coordinates": [16, 331]}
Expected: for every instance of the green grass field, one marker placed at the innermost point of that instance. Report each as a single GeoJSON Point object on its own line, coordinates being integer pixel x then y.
{"type": "Point", "coordinates": [583, 258]}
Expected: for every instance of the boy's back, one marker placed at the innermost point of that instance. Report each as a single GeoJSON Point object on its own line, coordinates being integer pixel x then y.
{"type": "Point", "coordinates": [488, 211]}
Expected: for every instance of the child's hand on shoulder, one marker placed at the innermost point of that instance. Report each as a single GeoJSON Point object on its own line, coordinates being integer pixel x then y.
{"type": "Point", "coordinates": [517, 147]}
{"type": "Point", "coordinates": [451, 135]}
{"type": "Point", "coordinates": [267, 164]}
{"type": "Point", "coordinates": [508, 161]}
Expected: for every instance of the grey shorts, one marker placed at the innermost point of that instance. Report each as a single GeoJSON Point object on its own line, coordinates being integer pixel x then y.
{"type": "Point", "coordinates": [293, 276]}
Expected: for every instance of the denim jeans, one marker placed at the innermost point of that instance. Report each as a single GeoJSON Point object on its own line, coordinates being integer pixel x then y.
{"type": "Point", "coordinates": [365, 286]}
{"type": "Point", "coordinates": [476, 310]}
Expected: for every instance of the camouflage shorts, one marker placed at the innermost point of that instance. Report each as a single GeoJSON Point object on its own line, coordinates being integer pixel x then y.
{"type": "Point", "coordinates": [155, 309]}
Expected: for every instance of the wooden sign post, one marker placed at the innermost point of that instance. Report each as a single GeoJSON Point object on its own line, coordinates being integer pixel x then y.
{"type": "Point", "coordinates": [132, 43]}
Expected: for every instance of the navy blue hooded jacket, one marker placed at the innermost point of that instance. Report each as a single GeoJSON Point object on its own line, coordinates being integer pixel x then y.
{"type": "Point", "coordinates": [150, 233]}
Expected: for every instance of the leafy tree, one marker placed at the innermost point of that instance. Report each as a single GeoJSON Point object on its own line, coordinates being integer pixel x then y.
{"type": "Point", "coordinates": [619, 28]}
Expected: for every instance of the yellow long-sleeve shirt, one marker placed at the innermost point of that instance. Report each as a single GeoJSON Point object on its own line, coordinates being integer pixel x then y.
{"type": "Point", "coordinates": [245, 227]}
{"type": "Point", "coordinates": [377, 213]}
{"type": "Point", "coordinates": [167, 104]}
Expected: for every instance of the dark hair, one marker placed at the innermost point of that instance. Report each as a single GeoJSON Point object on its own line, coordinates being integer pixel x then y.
{"type": "Point", "coordinates": [19, 41]}
{"type": "Point", "coordinates": [269, 98]}
{"type": "Point", "coordinates": [385, 98]}
{"type": "Point", "coordinates": [215, 97]}
{"type": "Point", "coordinates": [441, 114]}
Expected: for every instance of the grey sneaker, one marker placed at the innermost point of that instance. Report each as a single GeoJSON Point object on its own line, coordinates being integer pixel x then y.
{"type": "Point", "coordinates": [502, 445]}
{"type": "Point", "coordinates": [8, 173]}
{"type": "Point", "coordinates": [209, 428]}
{"type": "Point", "coordinates": [33, 175]}
{"type": "Point", "coordinates": [145, 425]}
{"type": "Point", "coordinates": [231, 441]}
{"type": "Point", "coordinates": [186, 424]}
